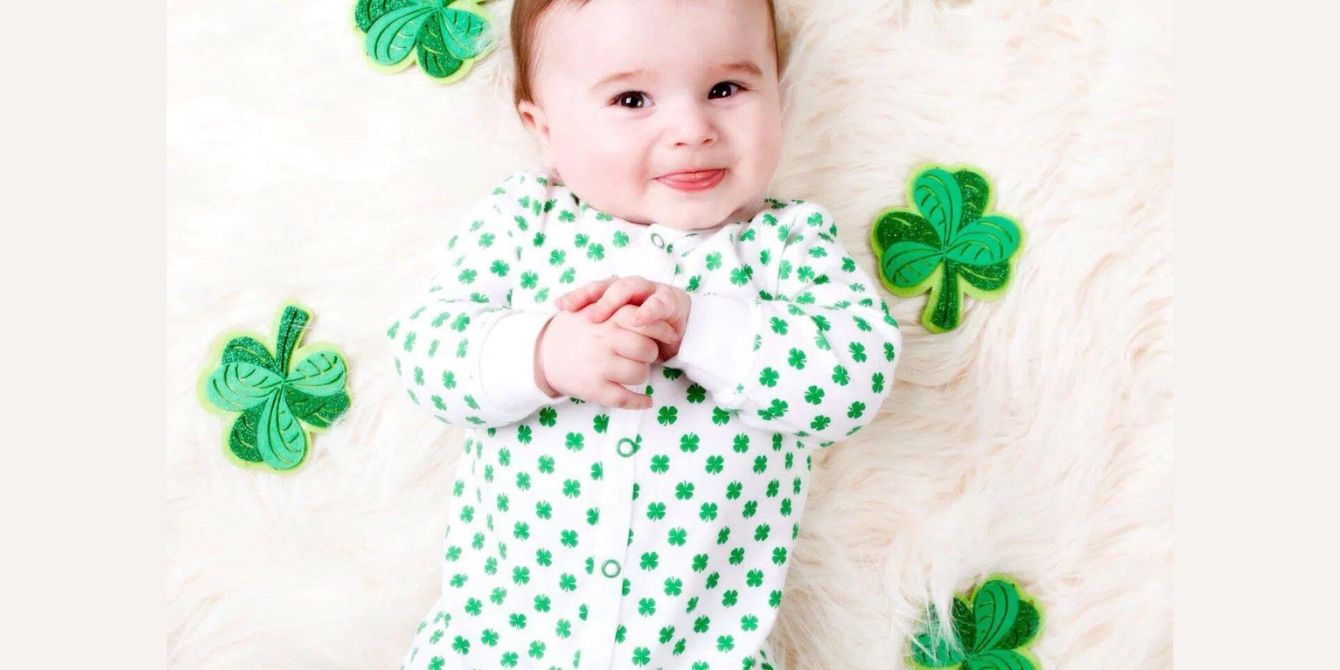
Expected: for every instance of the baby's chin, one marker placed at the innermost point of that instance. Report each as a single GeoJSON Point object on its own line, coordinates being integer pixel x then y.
{"type": "Point", "coordinates": [681, 215]}
{"type": "Point", "coordinates": [672, 210]}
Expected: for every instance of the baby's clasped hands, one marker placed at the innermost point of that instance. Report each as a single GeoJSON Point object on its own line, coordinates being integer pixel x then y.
{"type": "Point", "coordinates": [607, 334]}
{"type": "Point", "coordinates": [654, 302]}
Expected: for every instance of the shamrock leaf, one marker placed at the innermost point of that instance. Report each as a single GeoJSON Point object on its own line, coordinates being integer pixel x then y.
{"type": "Point", "coordinates": [280, 438]}
{"type": "Point", "coordinates": [272, 400]}
{"type": "Point", "coordinates": [248, 350]}
{"type": "Point", "coordinates": [242, 436]}
{"type": "Point", "coordinates": [991, 633]}
{"type": "Point", "coordinates": [317, 411]}
{"type": "Point", "coordinates": [949, 237]}
{"type": "Point", "coordinates": [321, 374]}
{"type": "Point", "coordinates": [238, 387]}
{"type": "Point", "coordinates": [445, 36]}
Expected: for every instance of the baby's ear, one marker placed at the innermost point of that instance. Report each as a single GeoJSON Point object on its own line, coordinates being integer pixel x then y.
{"type": "Point", "coordinates": [533, 118]}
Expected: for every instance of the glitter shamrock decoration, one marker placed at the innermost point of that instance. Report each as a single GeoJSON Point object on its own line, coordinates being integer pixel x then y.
{"type": "Point", "coordinates": [949, 237]}
{"type": "Point", "coordinates": [991, 634]}
{"type": "Point", "coordinates": [272, 400]}
{"type": "Point", "coordinates": [444, 36]}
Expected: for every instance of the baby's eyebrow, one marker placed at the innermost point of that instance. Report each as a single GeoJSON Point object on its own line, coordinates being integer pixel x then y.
{"type": "Point", "coordinates": [743, 66]}
{"type": "Point", "coordinates": [617, 77]}
{"type": "Point", "coordinates": [748, 67]}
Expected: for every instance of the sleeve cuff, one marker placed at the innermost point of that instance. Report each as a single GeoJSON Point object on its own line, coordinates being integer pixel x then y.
{"type": "Point", "coordinates": [507, 363]}
{"type": "Point", "coordinates": [717, 349]}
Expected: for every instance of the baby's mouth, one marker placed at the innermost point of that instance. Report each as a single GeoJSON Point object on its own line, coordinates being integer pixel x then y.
{"type": "Point", "coordinates": [696, 180]}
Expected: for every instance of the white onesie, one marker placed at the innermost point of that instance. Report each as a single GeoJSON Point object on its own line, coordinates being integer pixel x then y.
{"type": "Point", "coordinates": [589, 537]}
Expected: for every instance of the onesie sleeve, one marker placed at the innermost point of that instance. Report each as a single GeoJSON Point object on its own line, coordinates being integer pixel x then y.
{"type": "Point", "coordinates": [462, 351]}
{"type": "Point", "coordinates": [813, 353]}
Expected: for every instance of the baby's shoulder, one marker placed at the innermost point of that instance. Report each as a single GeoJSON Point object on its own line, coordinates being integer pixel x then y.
{"type": "Point", "coordinates": [789, 220]}
{"type": "Point", "coordinates": [524, 187]}
{"type": "Point", "coordinates": [518, 181]}
{"type": "Point", "coordinates": [529, 198]}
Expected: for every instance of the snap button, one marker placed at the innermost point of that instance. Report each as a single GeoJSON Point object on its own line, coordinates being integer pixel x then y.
{"type": "Point", "coordinates": [610, 568]}
{"type": "Point", "coordinates": [657, 240]}
{"type": "Point", "coordinates": [626, 447]}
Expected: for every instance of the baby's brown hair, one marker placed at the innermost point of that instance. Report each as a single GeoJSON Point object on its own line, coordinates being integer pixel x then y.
{"type": "Point", "coordinates": [525, 18]}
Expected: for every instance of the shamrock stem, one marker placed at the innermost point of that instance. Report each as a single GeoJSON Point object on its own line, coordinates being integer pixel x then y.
{"type": "Point", "coordinates": [291, 324]}
{"type": "Point", "coordinates": [946, 314]}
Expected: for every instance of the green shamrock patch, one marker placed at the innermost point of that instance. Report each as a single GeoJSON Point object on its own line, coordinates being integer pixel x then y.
{"type": "Point", "coordinates": [990, 634]}
{"type": "Point", "coordinates": [950, 236]}
{"type": "Point", "coordinates": [272, 401]}
{"type": "Point", "coordinates": [444, 36]}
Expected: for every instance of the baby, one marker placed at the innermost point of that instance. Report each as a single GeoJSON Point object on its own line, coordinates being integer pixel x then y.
{"type": "Point", "coordinates": [646, 351]}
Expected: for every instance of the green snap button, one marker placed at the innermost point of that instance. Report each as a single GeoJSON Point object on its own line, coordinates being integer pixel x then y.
{"type": "Point", "coordinates": [657, 240]}
{"type": "Point", "coordinates": [610, 568]}
{"type": "Point", "coordinates": [626, 447]}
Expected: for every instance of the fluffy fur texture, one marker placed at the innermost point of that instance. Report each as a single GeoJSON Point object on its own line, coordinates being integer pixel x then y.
{"type": "Point", "coordinates": [1035, 440]}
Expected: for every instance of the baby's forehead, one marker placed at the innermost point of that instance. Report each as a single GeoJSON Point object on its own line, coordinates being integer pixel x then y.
{"type": "Point", "coordinates": [601, 37]}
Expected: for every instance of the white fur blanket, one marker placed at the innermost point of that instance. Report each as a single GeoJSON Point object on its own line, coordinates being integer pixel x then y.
{"type": "Point", "coordinates": [1035, 440]}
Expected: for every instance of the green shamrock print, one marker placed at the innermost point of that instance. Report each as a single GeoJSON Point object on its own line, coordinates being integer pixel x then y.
{"type": "Point", "coordinates": [669, 529]}
{"type": "Point", "coordinates": [949, 236]}
{"type": "Point", "coordinates": [445, 36]}
{"type": "Point", "coordinates": [991, 634]}
{"type": "Point", "coordinates": [272, 400]}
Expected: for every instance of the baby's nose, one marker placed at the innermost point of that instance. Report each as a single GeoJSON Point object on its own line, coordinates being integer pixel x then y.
{"type": "Point", "coordinates": [694, 128]}
{"type": "Point", "coordinates": [692, 139]}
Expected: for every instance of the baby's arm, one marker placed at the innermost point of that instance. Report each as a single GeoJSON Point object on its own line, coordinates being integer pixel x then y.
{"type": "Point", "coordinates": [813, 353]}
{"type": "Point", "coordinates": [456, 345]}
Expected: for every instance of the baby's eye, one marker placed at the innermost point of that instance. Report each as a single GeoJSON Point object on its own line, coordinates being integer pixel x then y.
{"type": "Point", "coordinates": [631, 99]}
{"type": "Point", "coordinates": [724, 85]}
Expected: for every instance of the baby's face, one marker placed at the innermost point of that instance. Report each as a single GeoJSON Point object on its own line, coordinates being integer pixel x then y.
{"type": "Point", "coordinates": [629, 92]}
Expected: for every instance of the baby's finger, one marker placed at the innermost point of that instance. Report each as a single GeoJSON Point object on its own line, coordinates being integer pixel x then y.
{"type": "Point", "coordinates": [581, 296]}
{"type": "Point", "coordinates": [627, 371]}
{"type": "Point", "coordinates": [614, 395]}
{"type": "Point", "coordinates": [621, 292]}
{"type": "Point", "coordinates": [636, 347]}
{"type": "Point", "coordinates": [655, 307]}
{"type": "Point", "coordinates": [656, 330]}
